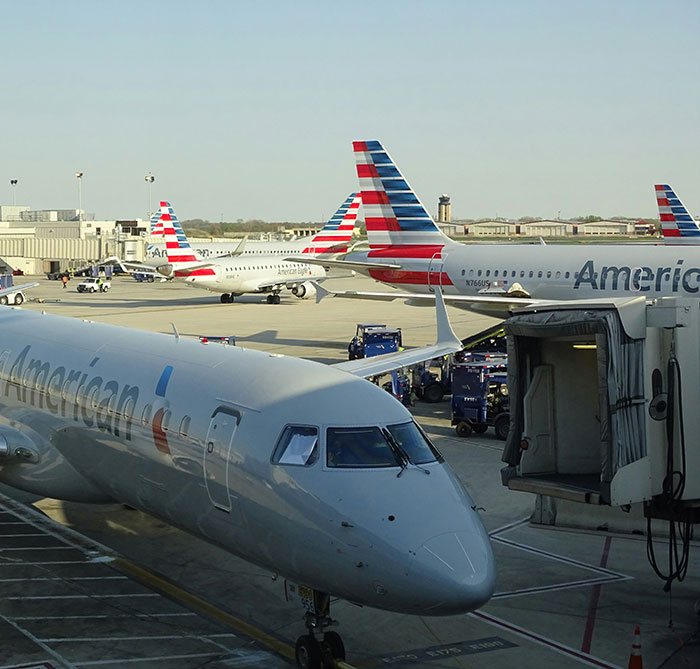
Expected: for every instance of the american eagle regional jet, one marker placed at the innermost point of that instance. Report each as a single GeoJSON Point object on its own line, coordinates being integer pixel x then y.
{"type": "Point", "coordinates": [408, 252]}
{"type": "Point", "coordinates": [265, 273]}
{"type": "Point", "coordinates": [304, 469]}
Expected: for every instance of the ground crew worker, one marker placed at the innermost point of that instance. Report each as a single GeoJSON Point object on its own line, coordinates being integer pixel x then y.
{"type": "Point", "coordinates": [64, 278]}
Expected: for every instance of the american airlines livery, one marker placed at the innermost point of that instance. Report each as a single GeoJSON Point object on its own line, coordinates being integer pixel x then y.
{"type": "Point", "coordinates": [677, 225]}
{"type": "Point", "coordinates": [204, 250]}
{"type": "Point", "coordinates": [304, 469]}
{"type": "Point", "coordinates": [408, 252]}
{"type": "Point", "coordinates": [268, 273]}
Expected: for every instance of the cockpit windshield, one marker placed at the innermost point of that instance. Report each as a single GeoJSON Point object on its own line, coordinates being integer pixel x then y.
{"type": "Point", "coordinates": [358, 447]}
{"type": "Point", "coordinates": [393, 446]}
{"type": "Point", "coordinates": [414, 443]}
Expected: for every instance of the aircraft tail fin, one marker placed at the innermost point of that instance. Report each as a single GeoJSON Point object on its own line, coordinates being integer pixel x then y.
{"type": "Point", "coordinates": [677, 225]}
{"type": "Point", "coordinates": [397, 222]}
{"type": "Point", "coordinates": [177, 246]}
{"type": "Point", "coordinates": [335, 236]}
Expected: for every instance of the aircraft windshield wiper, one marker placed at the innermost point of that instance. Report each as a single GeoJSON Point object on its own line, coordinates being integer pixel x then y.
{"type": "Point", "coordinates": [400, 454]}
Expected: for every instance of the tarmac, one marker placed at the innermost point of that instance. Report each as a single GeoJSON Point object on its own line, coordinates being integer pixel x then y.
{"type": "Point", "coordinates": [85, 585]}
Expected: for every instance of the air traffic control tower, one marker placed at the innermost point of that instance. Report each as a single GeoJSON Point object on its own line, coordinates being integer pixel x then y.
{"type": "Point", "coordinates": [444, 209]}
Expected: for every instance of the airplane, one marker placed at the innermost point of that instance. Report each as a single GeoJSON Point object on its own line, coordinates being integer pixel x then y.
{"type": "Point", "coordinates": [407, 251]}
{"type": "Point", "coordinates": [205, 249]}
{"type": "Point", "coordinates": [301, 468]}
{"type": "Point", "coordinates": [677, 224]}
{"type": "Point", "coordinates": [231, 276]}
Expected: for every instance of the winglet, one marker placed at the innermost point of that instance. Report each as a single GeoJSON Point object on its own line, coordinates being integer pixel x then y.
{"type": "Point", "coordinates": [445, 334]}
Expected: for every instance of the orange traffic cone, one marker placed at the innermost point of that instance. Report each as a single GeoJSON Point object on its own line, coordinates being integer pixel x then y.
{"type": "Point", "coordinates": [636, 654]}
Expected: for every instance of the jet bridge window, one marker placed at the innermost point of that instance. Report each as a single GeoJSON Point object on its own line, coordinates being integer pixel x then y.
{"type": "Point", "coordinates": [298, 445]}
{"type": "Point", "coordinates": [358, 447]}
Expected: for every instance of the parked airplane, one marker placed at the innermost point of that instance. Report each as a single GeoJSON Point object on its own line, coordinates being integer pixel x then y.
{"type": "Point", "coordinates": [407, 251]}
{"type": "Point", "coordinates": [231, 276]}
{"type": "Point", "coordinates": [301, 468]}
{"type": "Point", "coordinates": [677, 225]}
{"type": "Point", "coordinates": [204, 250]}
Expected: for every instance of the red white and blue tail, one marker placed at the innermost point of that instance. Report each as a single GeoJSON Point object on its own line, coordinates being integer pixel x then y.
{"type": "Point", "coordinates": [156, 224]}
{"type": "Point", "coordinates": [335, 236]}
{"type": "Point", "coordinates": [180, 254]}
{"type": "Point", "coordinates": [398, 225]}
{"type": "Point", "coordinates": [677, 225]}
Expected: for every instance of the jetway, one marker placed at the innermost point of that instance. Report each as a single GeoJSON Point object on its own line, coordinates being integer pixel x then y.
{"type": "Point", "coordinates": [604, 399]}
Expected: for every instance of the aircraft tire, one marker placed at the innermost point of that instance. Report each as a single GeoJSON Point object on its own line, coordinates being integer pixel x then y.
{"type": "Point", "coordinates": [432, 393]}
{"type": "Point", "coordinates": [307, 653]}
{"type": "Point", "coordinates": [480, 428]}
{"type": "Point", "coordinates": [502, 425]}
{"type": "Point", "coordinates": [223, 298]}
{"type": "Point", "coordinates": [270, 299]}
{"type": "Point", "coordinates": [19, 298]}
{"type": "Point", "coordinates": [334, 645]}
{"type": "Point", "coordinates": [463, 429]}
{"type": "Point", "coordinates": [275, 299]}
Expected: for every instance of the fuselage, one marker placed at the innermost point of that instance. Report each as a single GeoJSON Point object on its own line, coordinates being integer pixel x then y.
{"type": "Point", "coordinates": [544, 272]}
{"type": "Point", "coordinates": [192, 433]}
{"type": "Point", "coordinates": [249, 274]}
{"type": "Point", "coordinates": [208, 250]}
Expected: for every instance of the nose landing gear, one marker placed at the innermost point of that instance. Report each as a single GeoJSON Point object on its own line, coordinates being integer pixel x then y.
{"type": "Point", "coordinates": [319, 649]}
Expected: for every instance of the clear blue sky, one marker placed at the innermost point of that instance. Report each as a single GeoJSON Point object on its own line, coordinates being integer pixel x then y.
{"type": "Point", "coordinates": [248, 109]}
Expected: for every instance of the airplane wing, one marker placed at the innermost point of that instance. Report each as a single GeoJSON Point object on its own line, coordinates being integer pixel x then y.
{"type": "Point", "coordinates": [447, 342]}
{"type": "Point", "coordinates": [494, 305]}
{"type": "Point", "coordinates": [15, 289]}
{"type": "Point", "coordinates": [342, 264]}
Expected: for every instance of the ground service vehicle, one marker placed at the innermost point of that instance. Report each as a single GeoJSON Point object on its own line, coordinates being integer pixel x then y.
{"type": "Point", "coordinates": [480, 397]}
{"type": "Point", "coordinates": [373, 339]}
{"type": "Point", "coordinates": [11, 297]}
{"type": "Point", "coordinates": [429, 386]}
{"type": "Point", "coordinates": [93, 284]}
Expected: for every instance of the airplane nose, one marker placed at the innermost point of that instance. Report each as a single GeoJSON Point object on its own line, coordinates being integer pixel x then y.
{"type": "Point", "coordinates": [457, 569]}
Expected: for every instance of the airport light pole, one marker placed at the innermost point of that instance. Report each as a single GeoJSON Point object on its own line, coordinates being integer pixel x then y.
{"type": "Point", "coordinates": [79, 177]}
{"type": "Point", "coordinates": [149, 180]}
{"type": "Point", "coordinates": [13, 183]}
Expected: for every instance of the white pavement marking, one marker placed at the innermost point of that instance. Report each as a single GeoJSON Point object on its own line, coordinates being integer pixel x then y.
{"type": "Point", "coordinates": [56, 656]}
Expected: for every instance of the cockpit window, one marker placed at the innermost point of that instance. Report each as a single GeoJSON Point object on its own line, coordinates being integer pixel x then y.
{"type": "Point", "coordinates": [358, 447]}
{"type": "Point", "coordinates": [414, 443]}
{"type": "Point", "coordinates": [298, 445]}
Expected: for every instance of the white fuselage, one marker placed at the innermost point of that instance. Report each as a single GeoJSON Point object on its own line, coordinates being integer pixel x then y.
{"type": "Point", "coordinates": [547, 272]}
{"type": "Point", "coordinates": [187, 432]}
{"type": "Point", "coordinates": [208, 250]}
{"type": "Point", "coordinates": [243, 274]}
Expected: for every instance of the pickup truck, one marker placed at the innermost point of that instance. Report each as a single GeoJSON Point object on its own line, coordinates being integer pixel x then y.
{"type": "Point", "coordinates": [92, 285]}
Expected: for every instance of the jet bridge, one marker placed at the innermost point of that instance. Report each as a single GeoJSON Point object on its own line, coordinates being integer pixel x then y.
{"type": "Point", "coordinates": [604, 401]}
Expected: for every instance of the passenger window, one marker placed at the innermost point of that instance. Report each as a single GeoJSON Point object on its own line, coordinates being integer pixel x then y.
{"type": "Point", "coordinates": [539, 274]}
{"type": "Point", "coordinates": [522, 273]}
{"type": "Point", "coordinates": [549, 275]}
{"type": "Point", "coordinates": [531, 274]}
{"type": "Point", "coordinates": [495, 273]}
{"type": "Point", "coordinates": [478, 273]}
{"type": "Point", "coordinates": [354, 447]}
{"type": "Point", "coordinates": [566, 276]}
{"type": "Point", "coordinates": [298, 445]}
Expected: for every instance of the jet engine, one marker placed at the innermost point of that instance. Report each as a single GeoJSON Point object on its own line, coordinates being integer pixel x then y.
{"type": "Point", "coordinates": [304, 290]}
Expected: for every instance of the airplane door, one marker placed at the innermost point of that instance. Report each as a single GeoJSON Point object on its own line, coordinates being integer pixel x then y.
{"type": "Point", "coordinates": [217, 449]}
{"type": "Point", "coordinates": [435, 271]}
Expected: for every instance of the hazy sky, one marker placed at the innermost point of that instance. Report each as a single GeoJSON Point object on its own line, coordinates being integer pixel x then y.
{"type": "Point", "coordinates": [248, 109]}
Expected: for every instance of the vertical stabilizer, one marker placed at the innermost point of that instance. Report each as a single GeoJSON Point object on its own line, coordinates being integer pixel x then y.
{"type": "Point", "coordinates": [398, 224]}
{"type": "Point", "coordinates": [677, 225]}
{"type": "Point", "coordinates": [335, 236]}
{"type": "Point", "coordinates": [177, 247]}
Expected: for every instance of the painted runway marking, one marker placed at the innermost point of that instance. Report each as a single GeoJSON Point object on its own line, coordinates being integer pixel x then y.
{"type": "Point", "coordinates": [158, 637]}
{"type": "Point", "coordinates": [445, 651]}
{"type": "Point", "coordinates": [604, 575]}
{"type": "Point", "coordinates": [543, 641]}
{"type": "Point", "coordinates": [593, 605]}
